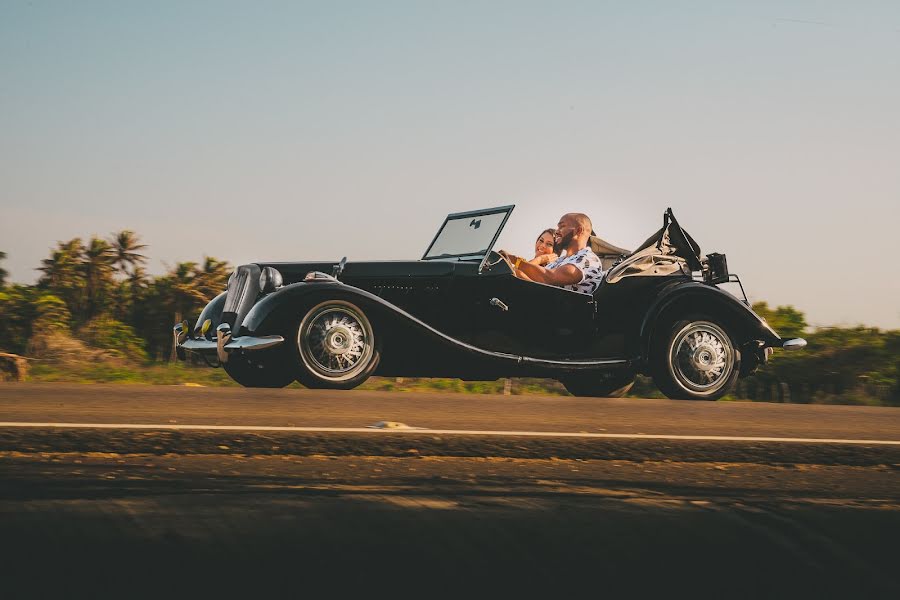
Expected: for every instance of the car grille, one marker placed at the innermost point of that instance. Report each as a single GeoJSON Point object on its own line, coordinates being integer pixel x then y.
{"type": "Point", "coordinates": [242, 292]}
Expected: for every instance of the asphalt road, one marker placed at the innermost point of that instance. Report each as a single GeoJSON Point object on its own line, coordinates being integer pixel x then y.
{"type": "Point", "coordinates": [142, 494]}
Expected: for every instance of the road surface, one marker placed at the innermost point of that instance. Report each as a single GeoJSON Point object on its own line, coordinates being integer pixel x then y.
{"type": "Point", "coordinates": [112, 488]}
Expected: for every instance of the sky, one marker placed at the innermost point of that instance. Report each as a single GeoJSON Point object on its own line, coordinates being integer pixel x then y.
{"type": "Point", "coordinates": [315, 130]}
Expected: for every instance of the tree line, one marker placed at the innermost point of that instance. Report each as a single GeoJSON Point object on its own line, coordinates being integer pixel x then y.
{"type": "Point", "coordinates": [842, 365]}
{"type": "Point", "coordinates": [99, 291]}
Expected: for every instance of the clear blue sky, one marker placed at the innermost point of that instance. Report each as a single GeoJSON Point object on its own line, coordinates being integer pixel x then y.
{"type": "Point", "coordinates": [301, 130]}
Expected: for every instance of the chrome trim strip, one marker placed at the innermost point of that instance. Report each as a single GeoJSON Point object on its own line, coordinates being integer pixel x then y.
{"type": "Point", "coordinates": [318, 276]}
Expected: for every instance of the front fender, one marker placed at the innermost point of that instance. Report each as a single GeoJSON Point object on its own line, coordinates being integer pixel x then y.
{"type": "Point", "coordinates": [692, 297]}
{"type": "Point", "coordinates": [213, 311]}
{"type": "Point", "coordinates": [274, 306]}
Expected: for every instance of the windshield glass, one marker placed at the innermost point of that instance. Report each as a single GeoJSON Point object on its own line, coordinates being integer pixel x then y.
{"type": "Point", "coordinates": [469, 234]}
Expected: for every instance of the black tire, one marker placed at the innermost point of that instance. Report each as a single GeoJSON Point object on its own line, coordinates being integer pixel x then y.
{"type": "Point", "coordinates": [264, 374]}
{"type": "Point", "coordinates": [335, 346]}
{"type": "Point", "coordinates": [696, 358]}
{"type": "Point", "coordinates": [600, 385]}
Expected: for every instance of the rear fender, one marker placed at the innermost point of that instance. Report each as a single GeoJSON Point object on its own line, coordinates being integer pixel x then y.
{"type": "Point", "coordinates": [693, 297]}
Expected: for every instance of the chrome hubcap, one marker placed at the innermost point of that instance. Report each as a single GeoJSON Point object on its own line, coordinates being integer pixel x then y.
{"type": "Point", "coordinates": [702, 357]}
{"type": "Point", "coordinates": [336, 341]}
{"type": "Point", "coordinates": [339, 339]}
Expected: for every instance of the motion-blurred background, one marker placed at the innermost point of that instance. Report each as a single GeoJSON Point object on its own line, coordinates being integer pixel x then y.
{"type": "Point", "coordinates": [141, 140]}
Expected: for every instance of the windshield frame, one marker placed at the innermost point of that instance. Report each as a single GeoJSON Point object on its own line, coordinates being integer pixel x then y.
{"type": "Point", "coordinates": [467, 215]}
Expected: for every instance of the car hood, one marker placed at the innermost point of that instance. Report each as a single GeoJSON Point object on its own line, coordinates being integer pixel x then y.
{"type": "Point", "coordinates": [292, 272]}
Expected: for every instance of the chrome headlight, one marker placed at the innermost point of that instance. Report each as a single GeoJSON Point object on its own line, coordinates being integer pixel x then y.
{"type": "Point", "coordinates": [270, 280]}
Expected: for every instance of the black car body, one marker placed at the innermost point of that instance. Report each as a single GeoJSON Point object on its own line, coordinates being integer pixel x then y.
{"type": "Point", "coordinates": [461, 312]}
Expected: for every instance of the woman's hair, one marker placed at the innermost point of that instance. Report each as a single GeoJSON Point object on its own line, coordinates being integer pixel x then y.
{"type": "Point", "coordinates": [551, 231]}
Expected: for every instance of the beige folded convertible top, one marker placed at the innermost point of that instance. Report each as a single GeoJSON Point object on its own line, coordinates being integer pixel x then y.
{"type": "Point", "coordinates": [607, 252]}
{"type": "Point", "coordinates": [670, 250]}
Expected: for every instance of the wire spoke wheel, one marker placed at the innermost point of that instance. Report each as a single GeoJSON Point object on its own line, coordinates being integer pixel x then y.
{"type": "Point", "coordinates": [336, 341]}
{"type": "Point", "coordinates": [702, 357]}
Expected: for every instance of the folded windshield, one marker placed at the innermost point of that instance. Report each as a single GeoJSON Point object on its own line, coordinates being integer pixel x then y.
{"type": "Point", "coordinates": [468, 235]}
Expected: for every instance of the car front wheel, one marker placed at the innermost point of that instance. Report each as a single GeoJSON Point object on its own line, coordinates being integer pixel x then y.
{"type": "Point", "coordinates": [695, 359]}
{"type": "Point", "coordinates": [336, 347]}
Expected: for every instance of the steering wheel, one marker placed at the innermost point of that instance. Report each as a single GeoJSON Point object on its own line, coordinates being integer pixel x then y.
{"type": "Point", "coordinates": [507, 261]}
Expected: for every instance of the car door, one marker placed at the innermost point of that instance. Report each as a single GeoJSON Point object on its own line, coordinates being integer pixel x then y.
{"type": "Point", "coordinates": [512, 315]}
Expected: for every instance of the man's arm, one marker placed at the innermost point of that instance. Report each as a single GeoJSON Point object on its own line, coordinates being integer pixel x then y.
{"type": "Point", "coordinates": [564, 275]}
{"type": "Point", "coordinates": [518, 273]}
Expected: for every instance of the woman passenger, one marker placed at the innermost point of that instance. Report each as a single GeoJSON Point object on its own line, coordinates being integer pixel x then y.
{"type": "Point", "coordinates": [543, 248]}
{"type": "Point", "coordinates": [543, 253]}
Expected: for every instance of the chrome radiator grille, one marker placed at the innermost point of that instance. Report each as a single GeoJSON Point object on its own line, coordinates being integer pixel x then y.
{"type": "Point", "coordinates": [242, 292]}
{"type": "Point", "coordinates": [237, 289]}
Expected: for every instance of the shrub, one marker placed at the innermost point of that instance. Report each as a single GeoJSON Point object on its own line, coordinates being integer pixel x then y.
{"type": "Point", "coordinates": [51, 314]}
{"type": "Point", "coordinates": [117, 338]}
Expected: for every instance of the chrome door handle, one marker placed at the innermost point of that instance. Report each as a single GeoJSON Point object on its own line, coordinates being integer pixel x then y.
{"type": "Point", "coordinates": [499, 304]}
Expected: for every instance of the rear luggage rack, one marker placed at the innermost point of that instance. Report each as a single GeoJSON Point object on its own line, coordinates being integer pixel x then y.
{"type": "Point", "coordinates": [732, 278]}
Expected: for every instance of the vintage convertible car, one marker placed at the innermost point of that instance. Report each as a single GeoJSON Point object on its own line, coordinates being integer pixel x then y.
{"type": "Point", "coordinates": [460, 312]}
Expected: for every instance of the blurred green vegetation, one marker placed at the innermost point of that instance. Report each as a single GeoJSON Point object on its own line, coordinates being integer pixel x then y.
{"type": "Point", "coordinates": [96, 316]}
{"type": "Point", "coordinates": [840, 365]}
{"type": "Point", "coordinates": [116, 337]}
{"type": "Point", "coordinates": [137, 373]}
{"type": "Point", "coordinates": [422, 384]}
{"type": "Point", "coordinates": [180, 373]}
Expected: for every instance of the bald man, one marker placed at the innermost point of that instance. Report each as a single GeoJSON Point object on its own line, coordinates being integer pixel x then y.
{"type": "Point", "coordinates": [578, 270]}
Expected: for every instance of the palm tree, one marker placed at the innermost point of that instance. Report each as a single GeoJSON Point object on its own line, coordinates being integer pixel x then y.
{"type": "Point", "coordinates": [137, 280]}
{"type": "Point", "coordinates": [3, 272]}
{"type": "Point", "coordinates": [125, 245]}
{"type": "Point", "coordinates": [99, 258]}
{"type": "Point", "coordinates": [127, 294]}
{"type": "Point", "coordinates": [62, 274]}
{"type": "Point", "coordinates": [212, 277]}
{"type": "Point", "coordinates": [181, 286]}
{"type": "Point", "coordinates": [191, 286]}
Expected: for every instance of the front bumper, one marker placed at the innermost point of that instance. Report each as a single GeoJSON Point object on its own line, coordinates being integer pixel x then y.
{"type": "Point", "coordinates": [794, 344]}
{"type": "Point", "coordinates": [761, 352]}
{"type": "Point", "coordinates": [223, 345]}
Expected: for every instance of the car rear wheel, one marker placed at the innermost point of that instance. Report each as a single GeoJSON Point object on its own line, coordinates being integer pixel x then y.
{"type": "Point", "coordinates": [258, 374]}
{"type": "Point", "coordinates": [695, 359]}
{"type": "Point", "coordinates": [335, 346]}
{"type": "Point", "coordinates": [600, 385]}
